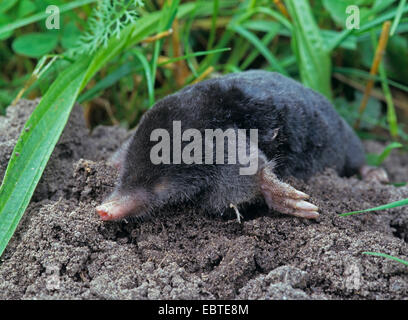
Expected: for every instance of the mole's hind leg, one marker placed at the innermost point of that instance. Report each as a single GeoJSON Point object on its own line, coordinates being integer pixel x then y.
{"type": "Point", "coordinates": [284, 198]}
{"type": "Point", "coordinates": [369, 173]}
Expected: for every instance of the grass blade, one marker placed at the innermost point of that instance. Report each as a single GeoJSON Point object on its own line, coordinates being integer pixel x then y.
{"type": "Point", "coordinates": [377, 160]}
{"type": "Point", "coordinates": [194, 54]}
{"type": "Point", "coordinates": [380, 20]}
{"type": "Point", "coordinates": [398, 16]}
{"type": "Point", "coordinates": [391, 205]}
{"type": "Point", "coordinates": [265, 40]}
{"type": "Point", "coordinates": [387, 256]}
{"type": "Point", "coordinates": [108, 81]}
{"type": "Point", "coordinates": [312, 56]}
{"type": "Point", "coordinates": [260, 46]}
{"type": "Point", "coordinates": [367, 76]}
{"type": "Point", "coordinates": [276, 15]}
{"type": "Point", "coordinates": [391, 114]}
{"type": "Point", "coordinates": [376, 9]}
{"type": "Point", "coordinates": [213, 24]}
{"type": "Point", "coordinates": [35, 146]}
{"type": "Point", "coordinates": [168, 13]}
{"type": "Point", "coordinates": [148, 74]}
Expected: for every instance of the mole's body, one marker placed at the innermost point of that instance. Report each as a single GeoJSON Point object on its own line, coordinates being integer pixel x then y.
{"type": "Point", "coordinates": [299, 134]}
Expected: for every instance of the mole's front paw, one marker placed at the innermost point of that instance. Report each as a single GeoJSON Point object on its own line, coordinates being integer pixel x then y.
{"type": "Point", "coordinates": [369, 173]}
{"type": "Point", "coordinates": [284, 198]}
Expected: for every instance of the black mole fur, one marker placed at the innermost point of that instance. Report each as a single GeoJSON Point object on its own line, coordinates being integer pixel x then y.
{"type": "Point", "coordinates": [311, 137]}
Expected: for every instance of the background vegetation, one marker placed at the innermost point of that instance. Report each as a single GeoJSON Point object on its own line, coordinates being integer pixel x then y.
{"type": "Point", "coordinates": [258, 35]}
{"type": "Point", "coordinates": [118, 57]}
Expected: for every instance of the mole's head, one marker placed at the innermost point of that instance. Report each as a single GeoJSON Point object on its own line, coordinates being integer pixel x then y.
{"type": "Point", "coordinates": [143, 190]}
{"type": "Point", "coordinates": [144, 185]}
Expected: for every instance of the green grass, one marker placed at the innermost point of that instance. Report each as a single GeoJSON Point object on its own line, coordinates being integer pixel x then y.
{"type": "Point", "coordinates": [377, 160]}
{"type": "Point", "coordinates": [391, 205]}
{"type": "Point", "coordinates": [383, 255]}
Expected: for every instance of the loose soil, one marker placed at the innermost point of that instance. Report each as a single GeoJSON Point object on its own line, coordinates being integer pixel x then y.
{"type": "Point", "coordinates": [62, 250]}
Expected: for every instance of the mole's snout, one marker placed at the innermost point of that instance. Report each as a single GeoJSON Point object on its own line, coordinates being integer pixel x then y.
{"type": "Point", "coordinates": [107, 211]}
{"type": "Point", "coordinates": [117, 207]}
{"type": "Point", "coordinates": [112, 210]}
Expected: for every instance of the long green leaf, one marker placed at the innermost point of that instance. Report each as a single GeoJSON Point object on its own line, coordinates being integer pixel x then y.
{"type": "Point", "coordinates": [265, 41]}
{"type": "Point", "coordinates": [367, 76]}
{"type": "Point", "coordinates": [313, 58]}
{"type": "Point", "coordinates": [35, 146]}
{"type": "Point", "coordinates": [258, 44]}
{"type": "Point", "coordinates": [169, 12]}
{"type": "Point", "coordinates": [391, 205]}
{"type": "Point", "coordinates": [148, 74]}
{"type": "Point", "coordinates": [106, 82]}
{"type": "Point", "coordinates": [398, 16]}
{"type": "Point", "coordinates": [377, 160]}
{"type": "Point", "coordinates": [380, 20]}
{"type": "Point", "coordinates": [213, 24]}
{"type": "Point", "coordinates": [373, 23]}
{"type": "Point", "coordinates": [391, 114]}
{"type": "Point", "coordinates": [387, 256]}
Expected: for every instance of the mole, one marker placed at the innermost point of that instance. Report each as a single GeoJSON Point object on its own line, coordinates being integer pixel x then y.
{"type": "Point", "coordinates": [193, 147]}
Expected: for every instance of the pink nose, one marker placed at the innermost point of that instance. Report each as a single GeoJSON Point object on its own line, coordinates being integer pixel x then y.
{"type": "Point", "coordinates": [103, 213]}
{"type": "Point", "coordinates": [118, 206]}
{"type": "Point", "coordinates": [114, 210]}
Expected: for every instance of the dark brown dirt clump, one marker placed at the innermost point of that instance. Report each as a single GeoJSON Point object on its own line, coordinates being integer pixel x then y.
{"type": "Point", "coordinates": [62, 250]}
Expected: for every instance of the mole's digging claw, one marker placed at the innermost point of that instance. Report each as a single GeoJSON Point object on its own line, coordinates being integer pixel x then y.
{"type": "Point", "coordinates": [239, 215]}
{"type": "Point", "coordinates": [283, 198]}
{"type": "Point", "coordinates": [306, 214]}
{"type": "Point", "coordinates": [301, 205]}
